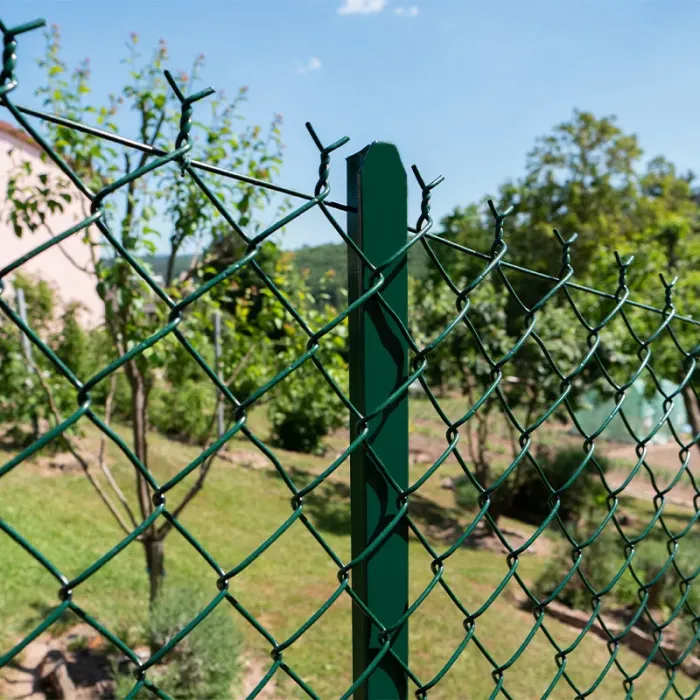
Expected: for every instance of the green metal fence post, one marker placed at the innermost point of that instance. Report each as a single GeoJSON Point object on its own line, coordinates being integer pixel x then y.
{"type": "Point", "coordinates": [377, 189]}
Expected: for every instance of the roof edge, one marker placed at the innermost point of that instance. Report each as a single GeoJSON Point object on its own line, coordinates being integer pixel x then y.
{"type": "Point", "coordinates": [19, 134]}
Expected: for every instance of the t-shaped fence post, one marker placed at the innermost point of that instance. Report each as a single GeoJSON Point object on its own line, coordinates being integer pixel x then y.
{"type": "Point", "coordinates": [377, 190]}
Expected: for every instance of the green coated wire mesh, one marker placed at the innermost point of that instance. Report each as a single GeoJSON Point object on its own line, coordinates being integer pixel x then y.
{"type": "Point", "coordinates": [492, 389]}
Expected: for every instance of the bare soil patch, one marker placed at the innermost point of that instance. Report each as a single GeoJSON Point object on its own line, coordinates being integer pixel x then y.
{"type": "Point", "coordinates": [78, 665]}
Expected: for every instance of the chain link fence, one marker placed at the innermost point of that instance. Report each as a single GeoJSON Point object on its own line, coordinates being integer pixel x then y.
{"type": "Point", "coordinates": [386, 361]}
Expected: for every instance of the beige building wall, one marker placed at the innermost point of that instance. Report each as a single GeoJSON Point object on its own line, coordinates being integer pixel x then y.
{"type": "Point", "coordinates": [65, 263]}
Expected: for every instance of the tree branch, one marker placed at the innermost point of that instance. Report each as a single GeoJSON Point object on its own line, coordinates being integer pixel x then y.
{"type": "Point", "coordinates": [165, 528]}
{"type": "Point", "coordinates": [151, 142]}
{"type": "Point", "coordinates": [76, 452]}
{"type": "Point", "coordinates": [65, 253]}
{"type": "Point", "coordinates": [101, 458]}
{"type": "Point", "coordinates": [204, 471]}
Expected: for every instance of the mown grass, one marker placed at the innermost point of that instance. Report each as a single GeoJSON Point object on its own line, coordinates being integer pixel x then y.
{"type": "Point", "coordinates": [239, 508]}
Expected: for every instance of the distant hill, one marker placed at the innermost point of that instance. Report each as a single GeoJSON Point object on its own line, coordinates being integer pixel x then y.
{"type": "Point", "coordinates": [159, 263]}
{"type": "Point", "coordinates": [333, 256]}
{"type": "Point", "coordinates": [317, 260]}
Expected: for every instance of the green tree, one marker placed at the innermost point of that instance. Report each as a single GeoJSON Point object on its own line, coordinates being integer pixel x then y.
{"type": "Point", "coordinates": [303, 408]}
{"type": "Point", "coordinates": [585, 177]}
{"type": "Point", "coordinates": [165, 204]}
{"type": "Point", "coordinates": [24, 373]}
{"type": "Point", "coordinates": [670, 240]}
{"type": "Point", "coordinates": [490, 356]}
{"type": "Point", "coordinates": [581, 178]}
{"type": "Point", "coordinates": [461, 357]}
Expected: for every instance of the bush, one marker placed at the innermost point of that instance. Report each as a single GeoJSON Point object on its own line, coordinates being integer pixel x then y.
{"type": "Point", "coordinates": [466, 494]}
{"type": "Point", "coordinates": [525, 496]}
{"type": "Point", "coordinates": [303, 408]}
{"type": "Point", "coordinates": [205, 664]}
{"type": "Point", "coordinates": [24, 407]}
{"type": "Point", "coordinates": [529, 496]}
{"type": "Point", "coordinates": [303, 411]}
{"type": "Point", "coordinates": [74, 344]}
{"type": "Point", "coordinates": [467, 497]}
{"type": "Point", "coordinates": [185, 411]}
{"type": "Point", "coordinates": [603, 559]}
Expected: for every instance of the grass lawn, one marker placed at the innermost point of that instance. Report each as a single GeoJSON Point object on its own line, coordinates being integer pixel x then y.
{"type": "Point", "coordinates": [240, 507]}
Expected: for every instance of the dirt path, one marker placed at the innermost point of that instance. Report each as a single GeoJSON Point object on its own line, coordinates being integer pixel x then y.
{"type": "Point", "coordinates": [21, 678]}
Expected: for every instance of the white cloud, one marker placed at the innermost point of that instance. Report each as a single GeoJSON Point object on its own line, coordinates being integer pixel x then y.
{"type": "Point", "coordinates": [411, 11]}
{"type": "Point", "coordinates": [314, 63]}
{"type": "Point", "coordinates": [361, 7]}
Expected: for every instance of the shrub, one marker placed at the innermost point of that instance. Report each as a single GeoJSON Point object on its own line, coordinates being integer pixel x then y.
{"type": "Point", "coordinates": [74, 343]}
{"type": "Point", "coordinates": [303, 411]}
{"type": "Point", "coordinates": [603, 559]}
{"type": "Point", "coordinates": [24, 406]}
{"type": "Point", "coordinates": [184, 411]}
{"type": "Point", "coordinates": [205, 664]}
{"type": "Point", "coordinates": [525, 496]}
{"type": "Point", "coordinates": [529, 496]}
{"type": "Point", "coordinates": [466, 494]}
{"type": "Point", "coordinates": [304, 408]}
{"type": "Point", "coordinates": [467, 497]}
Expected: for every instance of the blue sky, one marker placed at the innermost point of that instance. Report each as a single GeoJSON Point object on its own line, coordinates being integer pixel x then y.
{"type": "Point", "coordinates": [463, 88]}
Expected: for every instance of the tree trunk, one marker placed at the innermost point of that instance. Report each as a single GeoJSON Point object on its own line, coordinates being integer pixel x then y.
{"type": "Point", "coordinates": [482, 465]}
{"type": "Point", "coordinates": [693, 410]}
{"type": "Point", "coordinates": [154, 550]}
{"type": "Point", "coordinates": [139, 415]}
{"type": "Point", "coordinates": [655, 592]}
{"type": "Point", "coordinates": [154, 546]}
{"type": "Point", "coordinates": [139, 418]}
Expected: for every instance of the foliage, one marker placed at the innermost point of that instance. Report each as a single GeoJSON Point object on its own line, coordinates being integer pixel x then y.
{"type": "Point", "coordinates": [24, 408]}
{"type": "Point", "coordinates": [457, 361]}
{"type": "Point", "coordinates": [184, 411]}
{"type": "Point", "coordinates": [205, 664]}
{"type": "Point", "coordinates": [302, 412]}
{"type": "Point", "coordinates": [323, 265]}
{"type": "Point", "coordinates": [529, 498]}
{"type": "Point", "coordinates": [316, 262]}
{"type": "Point", "coordinates": [166, 204]}
{"type": "Point", "coordinates": [75, 343]}
{"type": "Point", "coordinates": [525, 495]}
{"type": "Point", "coordinates": [466, 494]}
{"type": "Point", "coordinates": [584, 177]}
{"type": "Point", "coordinates": [580, 178]}
{"type": "Point", "coordinates": [246, 286]}
{"type": "Point", "coordinates": [605, 557]}
{"type": "Point", "coordinates": [587, 177]}
{"type": "Point", "coordinates": [304, 408]}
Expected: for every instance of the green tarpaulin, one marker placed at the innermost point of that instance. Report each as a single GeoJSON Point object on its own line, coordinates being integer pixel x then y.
{"type": "Point", "coordinates": [643, 411]}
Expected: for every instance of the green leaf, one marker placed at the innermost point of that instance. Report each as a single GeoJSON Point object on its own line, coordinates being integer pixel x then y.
{"type": "Point", "coordinates": [150, 246]}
